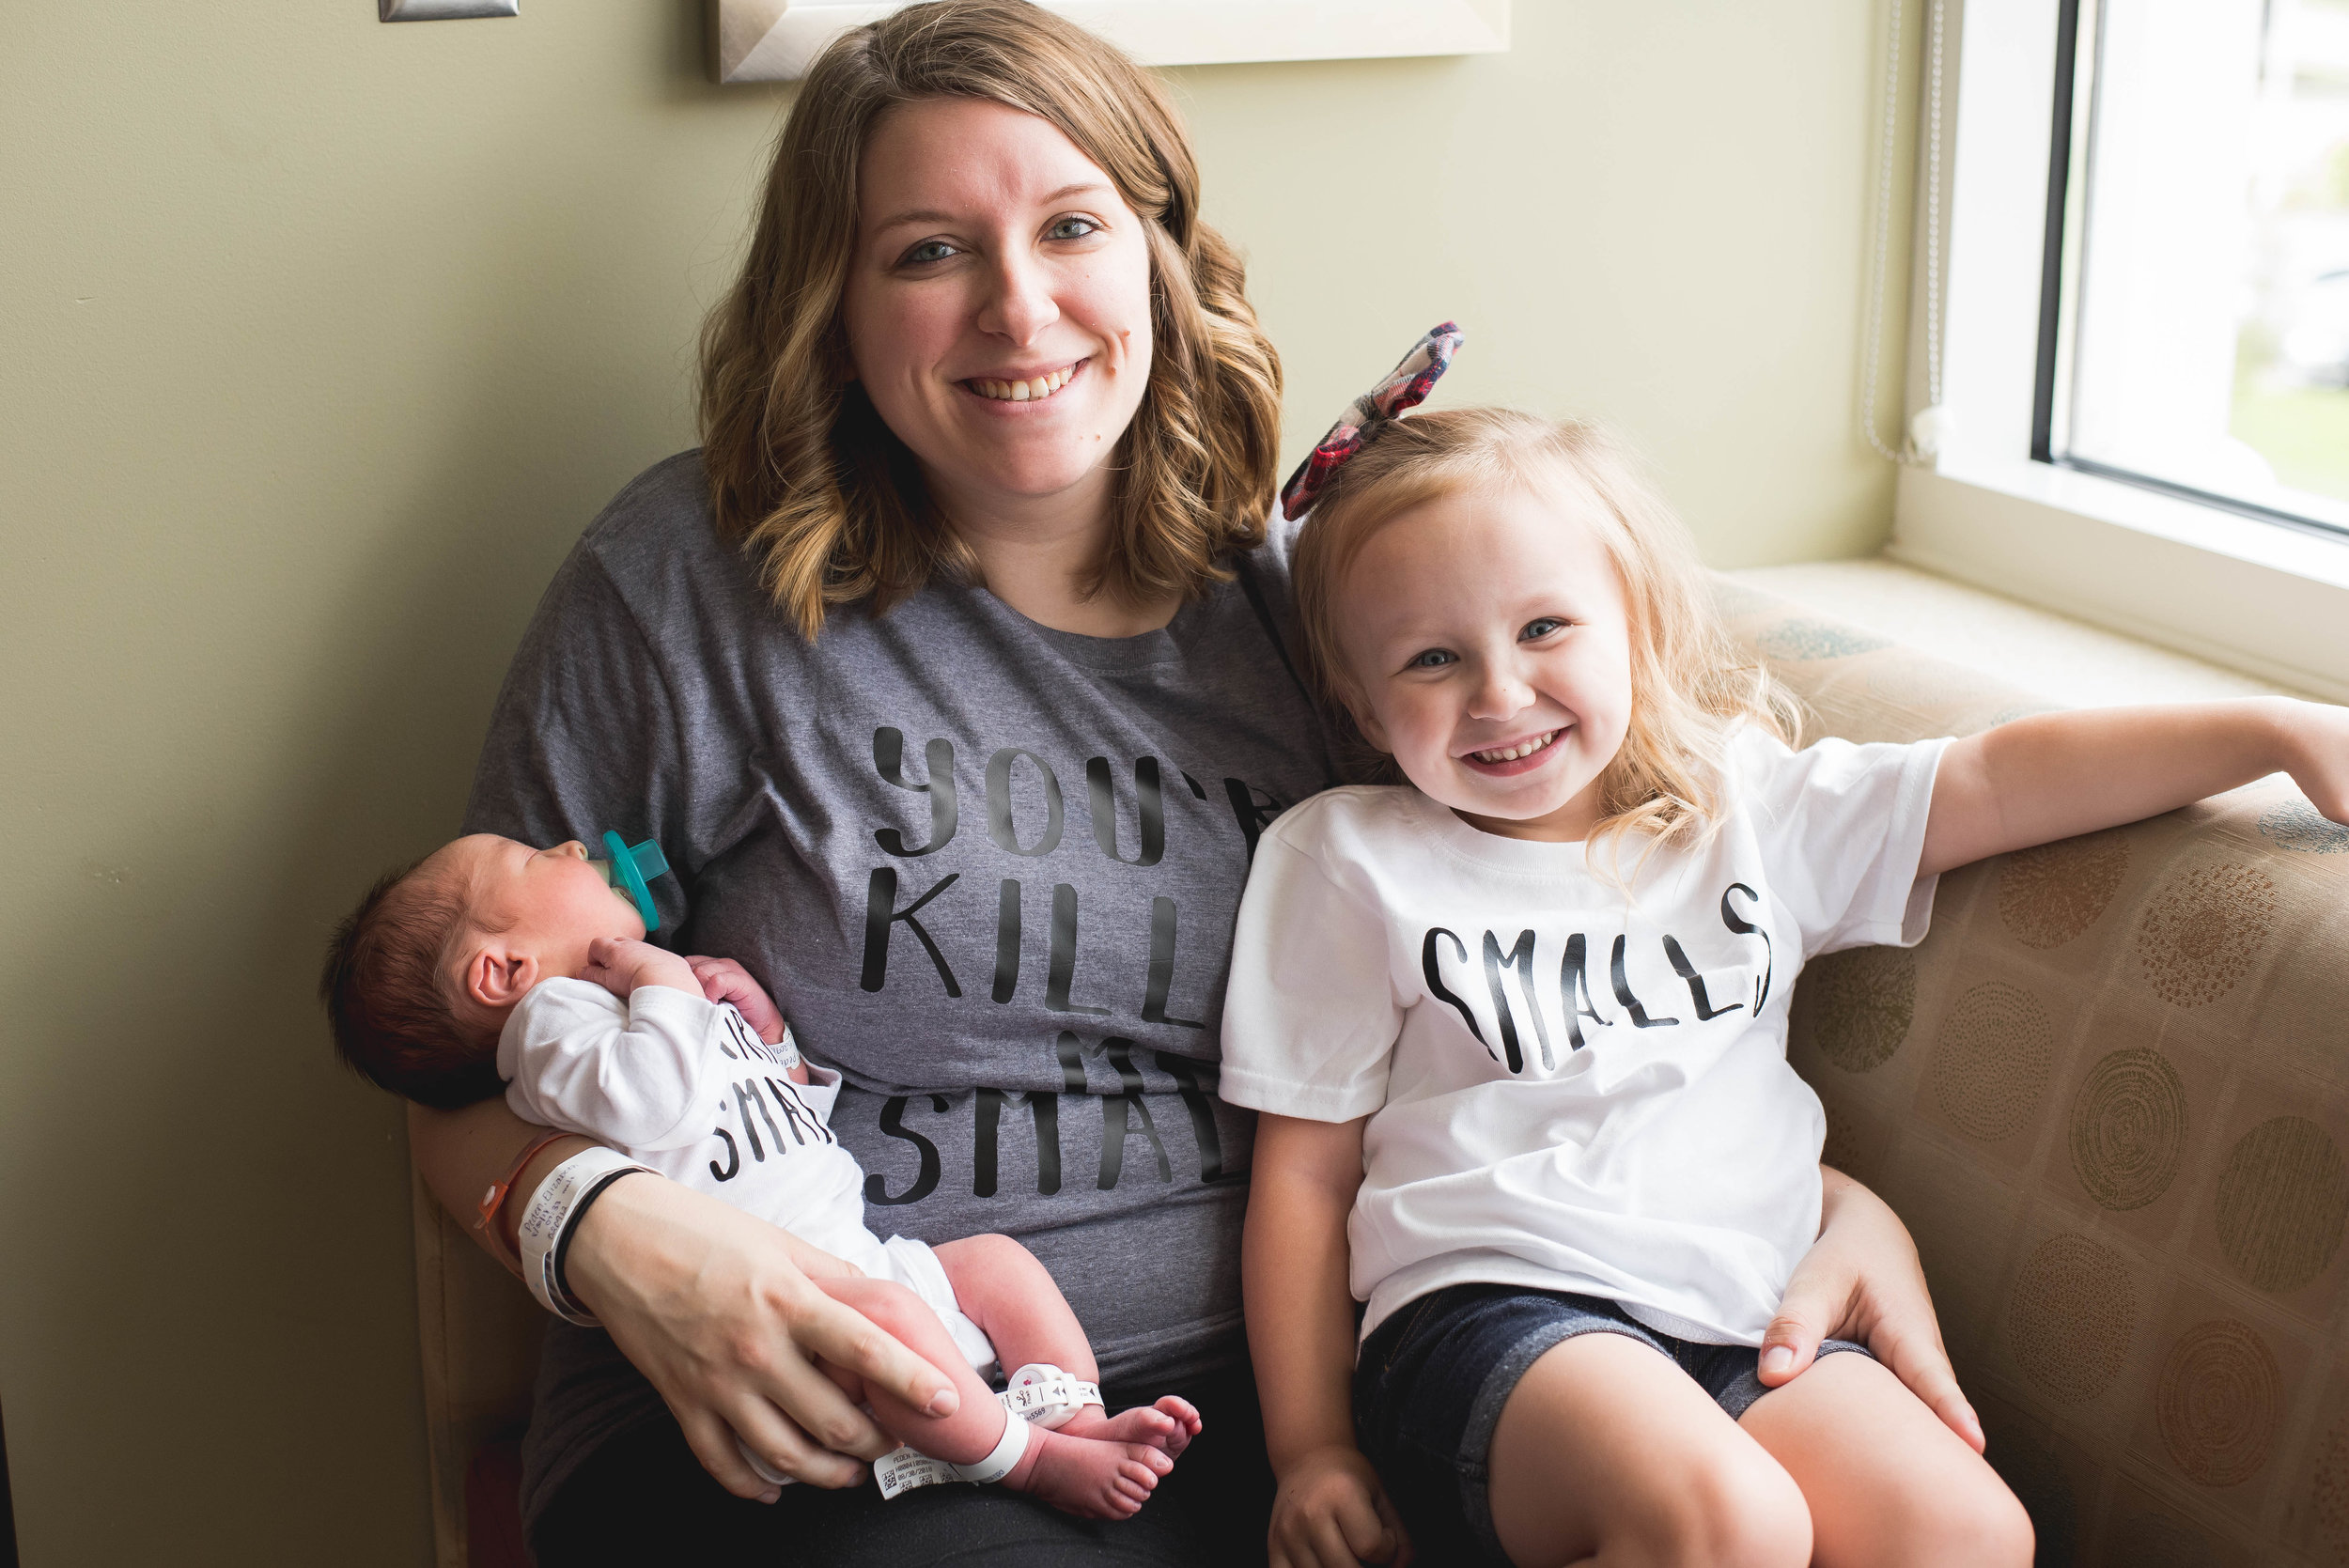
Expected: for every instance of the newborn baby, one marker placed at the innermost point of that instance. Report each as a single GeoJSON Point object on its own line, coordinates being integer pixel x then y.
{"type": "Point", "coordinates": [492, 965]}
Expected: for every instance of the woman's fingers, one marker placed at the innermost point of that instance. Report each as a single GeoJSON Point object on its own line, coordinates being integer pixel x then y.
{"type": "Point", "coordinates": [710, 1304]}
{"type": "Point", "coordinates": [1919, 1360]}
{"type": "Point", "coordinates": [1789, 1346]}
{"type": "Point", "coordinates": [713, 1443]}
{"type": "Point", "coordinates": [759, 1429]}
{"type": "Point", "coordinates": [1816, 1303]}
{"type": "Point", "coordinates": [847, 1339]}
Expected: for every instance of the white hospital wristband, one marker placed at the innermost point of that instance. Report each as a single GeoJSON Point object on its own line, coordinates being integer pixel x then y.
{"type": "Point", "coordinates": [546, 1224]}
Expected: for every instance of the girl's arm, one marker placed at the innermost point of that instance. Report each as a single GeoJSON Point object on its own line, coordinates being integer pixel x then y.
{"type": "Point", "coordinates": [1330, 1511]}
{"type": "Point", "coordinates": [2057, 774]}
{"type": "Point", "coordinates": [716, 1306]}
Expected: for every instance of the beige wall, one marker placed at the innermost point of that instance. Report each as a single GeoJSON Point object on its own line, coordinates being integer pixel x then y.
{"type": "Point", "coordinates": [319, 342]}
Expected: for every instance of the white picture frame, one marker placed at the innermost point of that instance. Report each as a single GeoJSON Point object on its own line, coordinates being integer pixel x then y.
{"type": "Point", "coordinates": [775, 40]}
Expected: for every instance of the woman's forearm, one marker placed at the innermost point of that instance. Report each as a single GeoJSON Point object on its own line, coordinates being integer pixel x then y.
{"type": "Point", "coordinates": [1300, 1310]}
{"type": "Point", "coordinates": [461, 1154]}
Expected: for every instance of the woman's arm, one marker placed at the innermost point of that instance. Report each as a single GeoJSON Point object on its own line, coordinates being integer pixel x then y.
{"type": "Point", "coordinates": [2056, 774]}
{"type": "Point", "coordinates": [1862, 1281]}
{"type": "Point", "coordinates": [715, 1307]}
{"type": "Point", "coordinates": [1330, 1511]}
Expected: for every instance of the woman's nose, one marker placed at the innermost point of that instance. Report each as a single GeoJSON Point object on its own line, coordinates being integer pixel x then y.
{"type": "Point", "coordinates": [1020, 305]}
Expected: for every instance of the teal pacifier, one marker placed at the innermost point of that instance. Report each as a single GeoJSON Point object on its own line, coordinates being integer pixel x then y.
{"type": "Point", "coordinates": [630, 870]}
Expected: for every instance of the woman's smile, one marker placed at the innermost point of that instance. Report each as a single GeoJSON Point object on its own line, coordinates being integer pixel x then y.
{"type": "Point", "coordinates": [1023, 387]}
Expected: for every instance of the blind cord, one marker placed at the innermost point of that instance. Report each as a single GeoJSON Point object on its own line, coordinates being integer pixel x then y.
{"type": "Point", "coordinates": [1924, 436]}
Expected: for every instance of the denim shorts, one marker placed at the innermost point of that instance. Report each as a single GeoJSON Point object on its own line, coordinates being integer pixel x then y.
{"type": "Point", "coordinates": [1431, 1381]}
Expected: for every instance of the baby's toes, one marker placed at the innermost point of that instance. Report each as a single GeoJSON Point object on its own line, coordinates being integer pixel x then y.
{"type": "Point", "coordinates": [1151, 1457]}
{"type": "Point", "coordinates": [1187, 1424]}
{"type": "Point", "coordinates": [1136, 1481]}
{"type": "Point", "coordinates": [1147, 1426]}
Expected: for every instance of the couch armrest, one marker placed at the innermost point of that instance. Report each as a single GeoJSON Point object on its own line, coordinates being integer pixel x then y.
{"type": "Point", "coordinates": [2109, 1094]}
{"type": "Point", "coordinates": [480, 1333]}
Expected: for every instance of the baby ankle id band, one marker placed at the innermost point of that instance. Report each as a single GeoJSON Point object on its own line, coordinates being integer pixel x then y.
{"type": "Point", "coordinates": [1039, 1395]}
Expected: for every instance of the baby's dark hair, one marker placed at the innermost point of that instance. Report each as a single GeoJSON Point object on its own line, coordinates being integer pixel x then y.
{"type": "Point", "coordinates": [386, 992]}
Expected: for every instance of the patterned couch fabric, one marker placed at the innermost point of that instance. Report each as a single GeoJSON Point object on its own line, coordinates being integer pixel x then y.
{"type": "Point", "coordinates": [2108, 1095]}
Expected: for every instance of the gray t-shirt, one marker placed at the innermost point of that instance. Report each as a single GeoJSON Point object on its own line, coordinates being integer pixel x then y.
{"type": "Point", "coordinates": [988, 870]}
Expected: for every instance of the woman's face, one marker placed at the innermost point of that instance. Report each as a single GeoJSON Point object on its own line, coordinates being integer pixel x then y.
{"type": "Point", "coordinates": [998, 304]}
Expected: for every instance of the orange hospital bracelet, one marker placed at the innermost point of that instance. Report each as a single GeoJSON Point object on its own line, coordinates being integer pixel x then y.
{"type": "Point", "coordinates": [494, 1199]}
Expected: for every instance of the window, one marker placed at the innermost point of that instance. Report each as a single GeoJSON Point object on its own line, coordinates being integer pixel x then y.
{"type": "Point", "coordinates": [2143, 415]}
{"type": "Point", "coordinates": [2202, 333]}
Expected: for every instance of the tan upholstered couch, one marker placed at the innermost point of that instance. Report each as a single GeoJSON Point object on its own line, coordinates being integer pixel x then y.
{"type": "Point", "coordinates": [2108, 1095]}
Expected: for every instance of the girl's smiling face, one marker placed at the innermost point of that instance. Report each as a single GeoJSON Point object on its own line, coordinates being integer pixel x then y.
{"type": "Point", "coordinates": [1489, 647]}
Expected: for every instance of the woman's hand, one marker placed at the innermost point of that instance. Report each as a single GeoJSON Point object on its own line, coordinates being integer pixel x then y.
{"type": "Point", "coordinates": [1331, 1513]}
{"type": "Point", "coordinates": [1862, 1281]}
{"type": "Point", "coordinates": [718, 1310]}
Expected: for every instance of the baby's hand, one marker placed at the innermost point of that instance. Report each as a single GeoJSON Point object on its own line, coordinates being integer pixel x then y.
{"type": "Point", "coordinates": [620, 964]}
{"type": "Point", "coordinates": [1331, 1513]}
{"type": "Point", "coordinates": [724, 979]}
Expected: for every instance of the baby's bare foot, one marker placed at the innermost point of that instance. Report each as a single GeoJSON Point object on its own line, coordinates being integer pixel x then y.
{"type": "Point", "coordinates": [1086, 1476]}
{"type": "Point", "coordinates": [1168, 1426]}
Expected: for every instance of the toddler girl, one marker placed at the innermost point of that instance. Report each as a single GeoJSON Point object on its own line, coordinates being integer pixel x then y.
{"type": "Point", "coordinates": [1518, 1030]}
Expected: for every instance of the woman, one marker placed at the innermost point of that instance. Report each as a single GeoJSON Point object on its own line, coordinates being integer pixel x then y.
{"type": "Point", "coordinates": [950, 675]}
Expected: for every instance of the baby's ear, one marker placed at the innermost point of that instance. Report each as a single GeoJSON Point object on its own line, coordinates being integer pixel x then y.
{"type": "Point", "coordinates": [497, 977]}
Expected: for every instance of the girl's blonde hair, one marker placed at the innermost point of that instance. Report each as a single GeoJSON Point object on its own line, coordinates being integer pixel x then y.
{"type": "Point", "coordinates": [1689, 687]}
{"type": "Point", "coordinates": [831, 506]}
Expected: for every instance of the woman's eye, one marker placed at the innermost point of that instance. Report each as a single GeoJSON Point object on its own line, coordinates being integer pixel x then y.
{"type": "Point", "coordinates": [927, 251]}
{"type": "Point", "coordinates": [1434, 659]}
{"type": "Point", "coordinates": [1539, 628]}
{"type": "Point", "coordinates": [1071, 228]}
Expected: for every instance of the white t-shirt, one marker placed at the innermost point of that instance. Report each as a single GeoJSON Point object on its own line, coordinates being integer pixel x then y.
{"type": "Point", "coordinates": [1575, 1090]}
{"type": "Point", "coordinates": [688, 1088]}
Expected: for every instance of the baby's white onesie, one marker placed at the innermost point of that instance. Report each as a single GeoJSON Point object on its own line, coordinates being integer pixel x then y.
{"type": "Point", "coordinates": [686, 1087]}
{"type": "Point", "coordinates": [1568, 1089]}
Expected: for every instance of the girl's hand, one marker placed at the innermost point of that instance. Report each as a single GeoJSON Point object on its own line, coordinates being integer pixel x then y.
{"type": "Point", "coordinates": [724, 979]}
{"type": "Point", "coordinates": [1862, 1281]}
{"type": "Point", "coordinates": [1331, 1513]}
{"type": "Point", "coordinates": [718, 1310]}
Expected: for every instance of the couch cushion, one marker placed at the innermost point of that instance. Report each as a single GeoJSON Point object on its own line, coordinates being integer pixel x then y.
{"type": "Point", "coordinates": [2108, 1095]}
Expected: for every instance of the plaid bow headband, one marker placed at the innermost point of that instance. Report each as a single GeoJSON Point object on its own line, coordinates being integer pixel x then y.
{"type": "Point", "coordinates": [1405, 387]}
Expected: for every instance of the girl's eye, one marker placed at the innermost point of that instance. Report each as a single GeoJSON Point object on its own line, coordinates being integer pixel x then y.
{"type": "Point", "coordinates": [1071, 228]}
{"type": "Point", "coordinates": [1433, 658]}
{"type": "Point", "coordinates": [927, 251]}
{"type": "Point", "coordinates": [1539, 628]}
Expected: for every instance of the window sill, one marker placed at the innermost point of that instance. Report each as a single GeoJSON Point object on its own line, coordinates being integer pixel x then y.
{"type": "Point", "coordinates": [2020, 645]}
{"type": "Point", "coordinates": [2266, 598]}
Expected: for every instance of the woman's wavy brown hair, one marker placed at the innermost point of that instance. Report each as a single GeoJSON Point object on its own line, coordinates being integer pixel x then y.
{"type": "Point", "coordinates": [1690, 687]}
{"type": "Point", "coordinates": [828, 504]}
